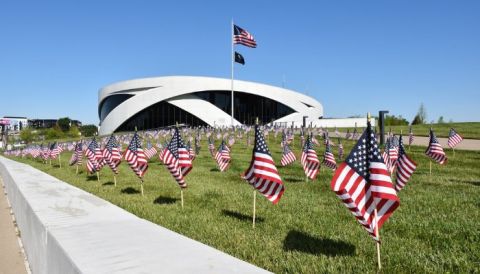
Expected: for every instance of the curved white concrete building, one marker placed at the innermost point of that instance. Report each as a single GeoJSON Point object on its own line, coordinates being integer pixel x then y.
{"type": "Point", "coordinates": [162, 101]}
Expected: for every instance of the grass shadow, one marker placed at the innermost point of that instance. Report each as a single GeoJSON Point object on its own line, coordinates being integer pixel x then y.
{"type": "Point", "coordinates": [162, 200]}
{"type": "Point", "coordinates": [130, 190]}
{"type": "Point", "coordinates": [294, 180]}
{"type": "Point", "coordinates": [215, 169]}
{"type": "Point", "coordinates": [300, 241]}
{"type": "Point", "coordinates": [92, 178]}
{"type": "Point", "coordinates": [108, 184]}
{"type": "Point", "coordinates": [241, 217]}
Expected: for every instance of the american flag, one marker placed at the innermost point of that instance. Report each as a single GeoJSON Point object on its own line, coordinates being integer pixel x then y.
{"type": "Point", "coordinates": [355, 133]}
{"type": "Point", "coordinates": [390, 155]}
{"type": "Point", "coordinates": [135, 156]}
{"type": "Point", "coordinates": [363, 184]}
{"type": "Point", "coordinates": [284, 139]}
{"type": "Point", "coordinates": [177, 159]}
{"type": "Point", "coordinates": [453, 138]}
{"type": "Point", "coordinates": [348, 135]}
{"type": "Point", "coordinates": [92, 164]}
{"type": "Point", "coordinates": [405, 167]}
{"type": "Point", "coordinates": [77, 155]}
{"type": "Point", "coordinates": [290, 137]}
{"type": "Point", "coordinates": [211, 146]}
{"type": "Point", "coordinates": [288, 156]}
{"type": "Point", "coordinates": [99, 157]}
{"type": "Point", "coordinates": [243, 37]}
{"type": "Point", "coordinates": [340, 150]}
{"type": "Point", "coordinates": [197, 145]}
{"type": "Point", "coordinates": [150, 151]}
{"type": "Point", "coordinates": [54, 151]}
{"type": "Point", "coordinates": [262, 173]}
{"type": "Point", "coordinates": [162, 151]}
{"type": "Point", "coordinates": [36, 151]}
{"type": "Point", "coordinates": [435, 150]}
{"type": "Point", "coordinates": [410, 137]}
{"type": "Point", "coordinates": [309, 160]}
{"type": "Point", "coordinates": [191, 151]}
{"type": "Point", "coordinates": [223, 156]}
{"type": "Point", "coordinates": [231, 141]}
{"type": "Point", "coordinates": [112, 154]}
{"type": "Point", "coordinates": [329, 158]}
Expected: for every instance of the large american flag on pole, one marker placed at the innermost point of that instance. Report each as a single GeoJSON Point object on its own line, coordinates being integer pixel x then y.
{"type": "Point", "coordinates": [112, 154]}
{"type": "Point", "coordinates": [435, 150]}
{"type": "Point", "coordinates": [405, 166]}
{"type": "Point", "coordinates": [243, 37]}
{"type": "Point", "coordinates": [453, 138]}
{"type": "Point", "coordinates": [177, 159]}
{"type": "Point", "coordinates": [363, 184]}
{"type": "Point", "coordinates": [309, 159]}
{"type": "Point", "coordinates": [262, 173]}
{"type": "Point", "coordinates": [135, 156]}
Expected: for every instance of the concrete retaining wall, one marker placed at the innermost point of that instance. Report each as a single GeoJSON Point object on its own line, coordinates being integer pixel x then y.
{"type": "Point", "coordinates": [67, 230]}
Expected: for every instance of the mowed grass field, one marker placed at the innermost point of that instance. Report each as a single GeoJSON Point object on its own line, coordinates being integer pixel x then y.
{"type": "Point", "coordinates": [468, 130]}
{"type": "Point", "coordinates": [435, 230]}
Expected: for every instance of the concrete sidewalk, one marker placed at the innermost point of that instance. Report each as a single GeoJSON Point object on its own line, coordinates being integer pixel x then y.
{"type": "Point", "coordinates": [67, 230]}
{"type": "Point", "coordinates": [11, 257]}
{"type": "Point", "coordinates": [466, 144]}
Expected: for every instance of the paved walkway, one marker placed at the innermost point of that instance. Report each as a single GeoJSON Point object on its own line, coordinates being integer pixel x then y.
{"type": "Point", "coordinates": [11, 258]}
{"type": "Point", "coordinates": [71, 231]}
{"type": "Point", "coordinates": [466, 144]}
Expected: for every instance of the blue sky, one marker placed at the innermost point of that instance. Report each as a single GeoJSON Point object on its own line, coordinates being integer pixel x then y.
{"type": "Point", "coordinates": [352, 56]}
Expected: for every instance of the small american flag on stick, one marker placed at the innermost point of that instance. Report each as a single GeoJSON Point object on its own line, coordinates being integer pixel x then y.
{"type": "Point", "coordinates": [435, 150]}
{"type": "Point", "coordinates": [135, 156]}
{"type": "Point", "coordinates": [453, 138]}
{"type": "Point", "coordinates": [405, 167]}
{"type": "Point", "coordinates": [364, 185]}
{"type": "Point", "coordinates": [288, 156]}
{"type": "Point", "coordinates": [309, 159]}
{"type": "Point", "coordinates": [262, 173]}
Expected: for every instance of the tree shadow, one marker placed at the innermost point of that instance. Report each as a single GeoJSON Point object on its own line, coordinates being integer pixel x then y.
{"type": "Point", "coordinates": [241, 217]}
{"type": "Point", "coordinates": [130, 190]}
{"type": "Point", "coordinates": [300, 241]}
{"type": "Point", "coordinates": [108, 184]}
{"type": "Point", "coordinates": [162, 200]}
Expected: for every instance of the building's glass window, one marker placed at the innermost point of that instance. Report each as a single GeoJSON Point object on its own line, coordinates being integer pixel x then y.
{"type": "Point", "coordinates": [110, 103]}
{"type": "Point", "coordinates": [159, 115]}
{"type": "Point", "coordinates": [247, 106]}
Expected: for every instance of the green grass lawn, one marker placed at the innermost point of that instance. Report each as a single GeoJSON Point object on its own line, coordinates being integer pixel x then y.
{"type": "Point", "coordinates": [470, 130]}
{"type": "Point", "coordinates": [435, 230]}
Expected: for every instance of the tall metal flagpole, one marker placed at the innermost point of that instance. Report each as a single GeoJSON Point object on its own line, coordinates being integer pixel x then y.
{"type": "Point", "coordinates": [232, 55]}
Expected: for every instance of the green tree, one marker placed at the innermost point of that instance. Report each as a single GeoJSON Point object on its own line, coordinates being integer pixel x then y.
{"type": "Point", "coordinates": [64, 123]}
{"type": "Point", "coordinates": [421, 117]}
{"type": "Point", "coordinates": [73, 132]}
{"type": "Point", "coordinates": [392, 120]}
{"type": "Point", "coordinates": [27, 135]}
{"type": "Point", "coordinates": [54, 133]}
{"type": "Point", "coordinates": [88, 130]}
{"type": "Point", "coordinates": [440, 120]}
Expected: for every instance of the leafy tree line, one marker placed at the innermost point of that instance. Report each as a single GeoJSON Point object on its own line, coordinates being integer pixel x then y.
{"type": "Point", "coordinates": [63, 129]}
